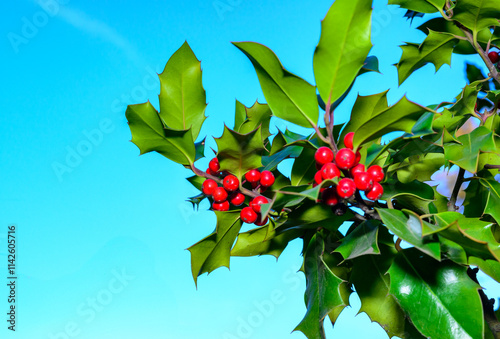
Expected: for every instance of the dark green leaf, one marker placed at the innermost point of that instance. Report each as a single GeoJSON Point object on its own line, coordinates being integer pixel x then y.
{"type": "Point", "coordinates": [439, 297]}
{"type": "Point", "coordinates": [239, 153]}
{"type": "Point", "coordinates": [214, 251]}
{"type": "Point", "coordinates": [322, 290]}
{"type": "Point", "coordinates": [409, 228]}
{"type": "Point", "coordinates": [372, 286]}
{"type": "Point", "coordinates": [312, 215]}
{"type": "Point", "coordinates": [361, 241]}
{"type": "Point", "coordinates": [262, 241]}
{"type": "Point", "coordinates": [418, 167]}
{"type": "Point", "coordinates": [493, 203]}
{"type": "Point", "coordinates": [473, 234]}
{"type": "Point", "coordinates": [196, 181]}
{"type": "Point", "coordinates": [304, 168]}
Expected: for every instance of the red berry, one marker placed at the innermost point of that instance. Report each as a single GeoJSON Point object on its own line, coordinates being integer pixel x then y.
{"type": "Point", "coordinates": [214, 165]}
{"type": "Point", "coordinates": [323, 155]}
{"type": "Point", "coordinates": [257, 201]}
{"type": "Point", "coordinates": [364, 181]}
{"type": "Point", "coordinates": [376, 192]}
{"type": "Point", "coordinates": [208, 186]}
{"type": "Point", "coordinates": [221, 206]}
{"type": "Point", "coordinates": [358, 158]}
{"type": "Point", "coordinates": [377, 172]}
{"type": "Point", "coordinates": [318, 178]}
{"type": "Point", "coordinates": [252, 176]}
{"type": "Point", "coordinates": [231, 183]}
{"type": "Point", "coordinates": [345, 158]}
{"type": "Point", "coordinates": [266, 178]}
{"type": "Point", "coordinates": [219, 194]}
{"type": "Point", "coordinates": [330, 171]}
{"type": "Point", "coordinates": [346, 188]}
{"type": "Point", "coordinates": [248, 215]}
{"type": "Point", "coordinates": [357, 169]}
{"type": "Point", "coordinates": [330, 197]}
{"type": "Point", "coordinates": [237, 198]}
{"type": "Point", "coordinates": [494, 57]}
{"type": "Point", "coordinates": [348, 140]}
{"type": "Point", "coordinates": [260, 222]}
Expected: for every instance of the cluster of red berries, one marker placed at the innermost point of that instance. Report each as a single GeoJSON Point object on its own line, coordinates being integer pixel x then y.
{"type": "Point", "coordinates": [494, 56]}
{"type": "Point", "coordinates": [229, 192]}
{"type": "Point", "coordinates": [354, 176]}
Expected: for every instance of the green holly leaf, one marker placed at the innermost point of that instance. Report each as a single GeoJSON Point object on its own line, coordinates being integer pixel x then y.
{"type": "Point", "coordinates": [477, 14]}
{"type": "Point", "coordinates": [475, 74]}
{"type": "Point", "coordinates": [493, 202]}
{"type": "Point", "coordinates": [466, 101]}
{"type": "Point", "coordinates": [259, 115]}
{"type": "Point", "coordinates": [304, 168]}
{"type": "Point", "coordinates": [182, 97]}
{"type": "Point", "coordinates": [476, 197]}
{"type": "Point", "coordinates": [196, 200]}
{"type": "Point", "coordinates": [490, 267]}
{"type": "Point", "coordinates": [214, 251]}
{"type": "Point", "coordinates": [196, 181]}
{"type": "Point", "coordinates": [466, 155]}
{"type": "Point", "coordinates": [371, 281]}
{"type": "Point", "coordinates": [449, 120]}
{"type": "Point", "coordinates": [439, 297]}
{"type": "Point", "coordinates": [290, 98]}
{"type": "Point", "coordinates": [452, 251]}
{"type": "Point", "coordinates": [415, 147]}
{"type": "Point", "coordinates": [262, 241]}
{"type": "Point", "coordinates": [447, 26]}
{"type": "Point", "coordinates": [473, 234]}
{"type": "Point", "coordinates": [418, 167]}
{"type": "Point", "coordinates": [239, 153]}
{"type": "Point", "coordinates": [337, 59]}
{"type": "Point", "coordinates": [322, 290]}
{"type": "Point", "coordinates": [361, 241]}
{"type": "Point", "coordinates": [150, 134]}
{"type": "Point", "coordinates": [409, 228]}
{"type": "Point", "coordinates": [200, 149]}
{"type": "Point", "coordinates": [372, 118]}
{"type": "Point", "coordinates": [240, 115]}
{"type": "Point", "coordinates": [436, 49]}
{"type": "Point", "coordinates": [422, 6]}
{"type": "Point", "coordinates": [312, 215]}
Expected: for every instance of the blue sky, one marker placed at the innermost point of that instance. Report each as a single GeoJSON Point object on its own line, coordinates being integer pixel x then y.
{"type": "Point", "coordinates": [102, 232]}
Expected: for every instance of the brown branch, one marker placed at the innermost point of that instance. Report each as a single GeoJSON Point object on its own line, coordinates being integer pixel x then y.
{"type": "Point", "coordinates": [488, 166]}
{"type": "Point", "coordinates": [488, 311]}
{"type": "Point", "coordinates": [329, 123]}
{"type": "Point", "coordinates": [482, 53]}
